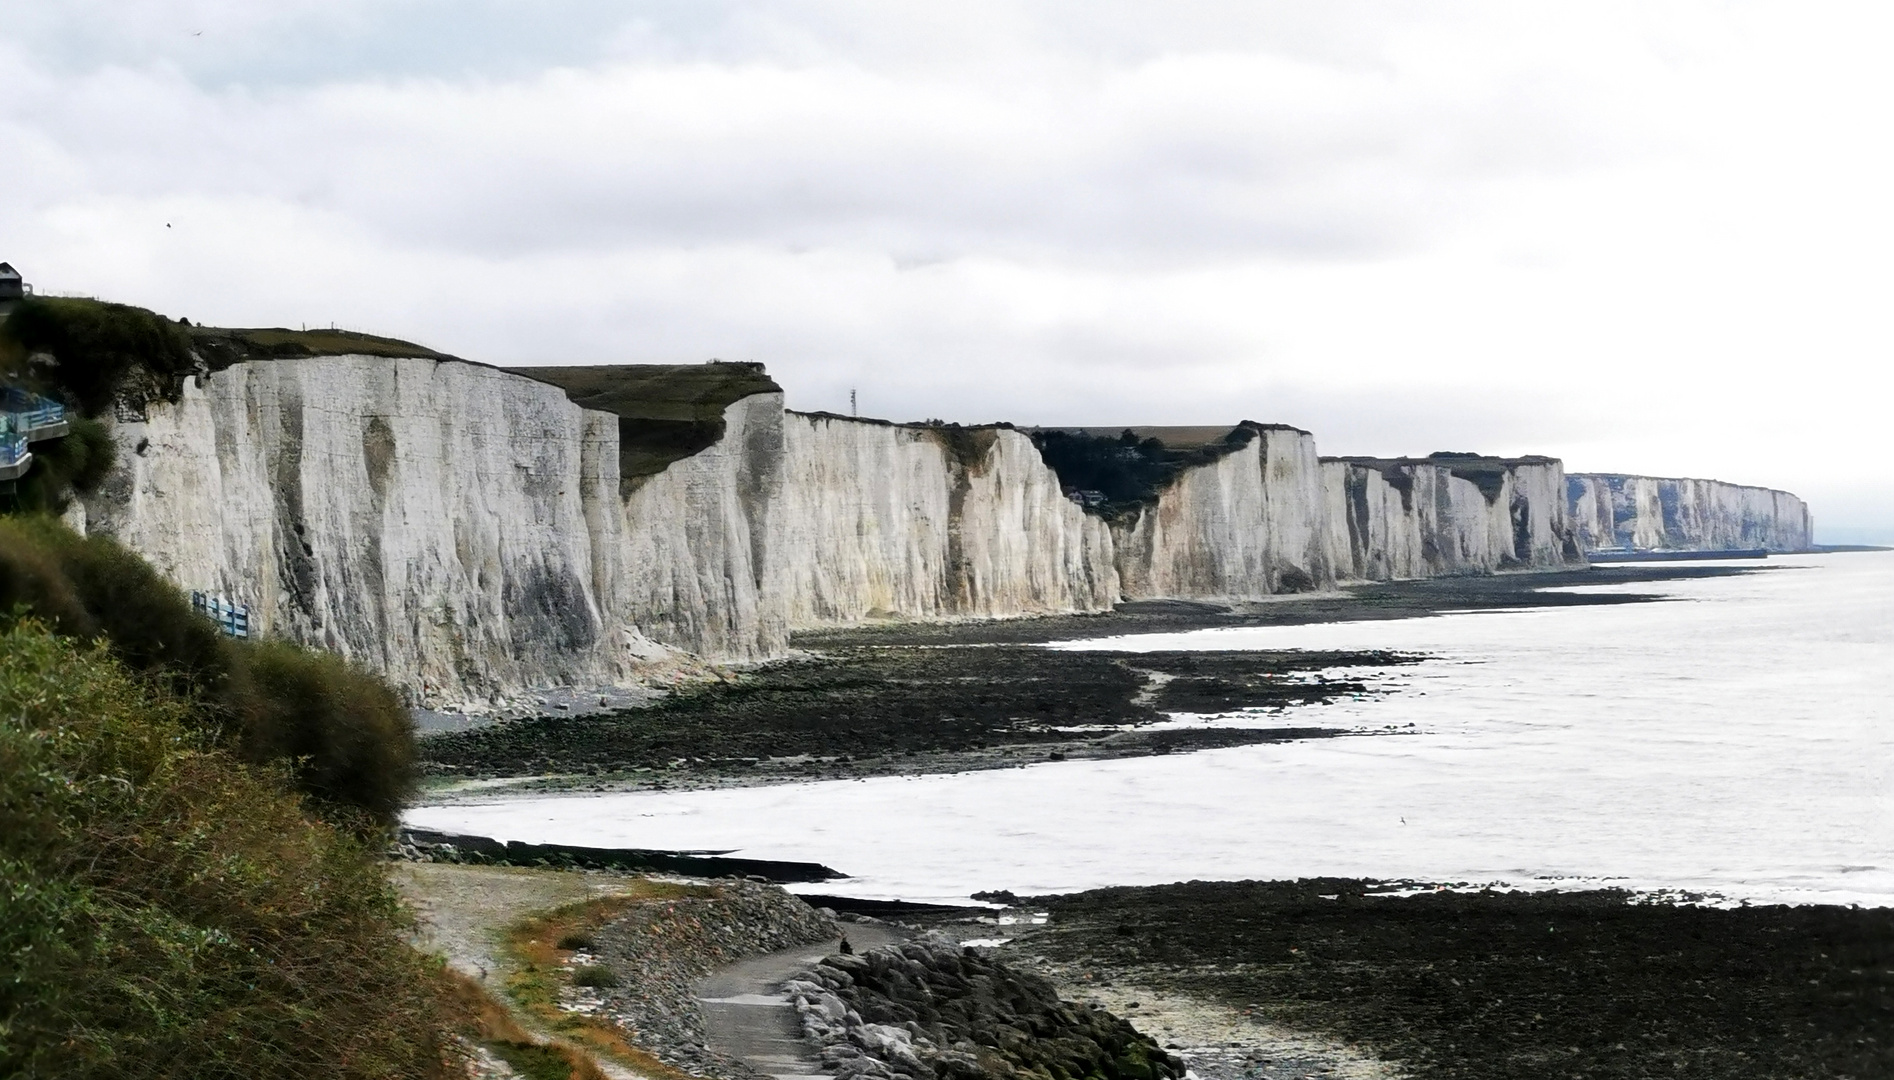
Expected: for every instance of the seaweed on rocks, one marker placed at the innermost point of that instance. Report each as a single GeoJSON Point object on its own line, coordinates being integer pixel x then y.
{"type": "Point", "coordinates": [1484, 985]}
{"type": "Point", "coordinates": [930, 1010]}
{"type": "Point", "coordinates": [872, 710]}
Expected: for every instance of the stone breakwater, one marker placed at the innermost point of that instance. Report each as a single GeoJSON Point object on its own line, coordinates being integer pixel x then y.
{"type": "Point", "coordinates": [930, 1010]}
{"type": "Point", "coordinates": [659, 951]}
{"type": "Point", "coordinates": [470, 533]}
{"type": "Point", "coordinates": [1609, 510]}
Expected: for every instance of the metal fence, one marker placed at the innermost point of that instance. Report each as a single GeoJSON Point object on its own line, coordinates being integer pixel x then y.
{"type": "Point", "coordinates": [233, 618]}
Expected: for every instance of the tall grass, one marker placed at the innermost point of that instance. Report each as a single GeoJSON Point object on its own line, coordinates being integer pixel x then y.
{"type": "Point", "coordinates": [166, 910]}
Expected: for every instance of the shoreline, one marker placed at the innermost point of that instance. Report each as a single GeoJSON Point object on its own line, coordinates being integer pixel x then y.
{"type": "Point", "coordinates": [918, 699]}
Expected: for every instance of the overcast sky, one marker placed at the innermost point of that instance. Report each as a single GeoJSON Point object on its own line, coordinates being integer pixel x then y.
{"type": "Point", "coordinates": [1642, 236]}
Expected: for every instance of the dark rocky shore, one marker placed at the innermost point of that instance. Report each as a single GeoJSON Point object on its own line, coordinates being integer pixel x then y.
{"type": "Point", "coordinates": [915, 698]}
{"type": "Point", "coordinates": [859, 710]}
{"type": "Point", "coordinates": [1485, 986]}
{"type": "Point", "coordinates": [930, 1010]}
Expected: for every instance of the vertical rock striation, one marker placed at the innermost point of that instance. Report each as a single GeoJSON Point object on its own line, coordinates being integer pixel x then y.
{"type": "Point", "coordinates": [469, 533]}
{"type": "Point", "coordinates": [1252, 523]}
{"type": "Point", "coordinates": [880, 520]}
{"type": "Point", "coordinates": [428, 519]}
{"type": "Point", "coordinates": [1392, 518]}
{"type": "Point", "coordinates": [1611, 510]}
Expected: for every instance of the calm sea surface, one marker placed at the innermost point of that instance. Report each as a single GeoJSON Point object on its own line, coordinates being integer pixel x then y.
{"type": "Point", "coordinates": [1736, 739]}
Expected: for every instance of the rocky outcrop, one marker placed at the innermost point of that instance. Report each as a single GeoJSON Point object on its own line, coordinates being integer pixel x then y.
{"type": "Point", "coordinates": [1251, 523]}
{"type": "Point", "coordinates": [1446, 514]}
{"type": "Point", "coordinates": [929, 1010]}
{"type": "Point", "coordinates": [1648, 513]}
{"type": "Point", "coordinates": [653, 956]}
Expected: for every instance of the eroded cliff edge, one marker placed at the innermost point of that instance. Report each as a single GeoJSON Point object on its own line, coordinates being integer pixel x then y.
{"type": "Point", "coordinates": [474, 533]}
{"type": "Point", "coordinates": [1648, 513]}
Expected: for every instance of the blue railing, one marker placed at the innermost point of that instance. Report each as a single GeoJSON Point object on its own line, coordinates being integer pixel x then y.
{"type": "Point", "coordinates": [32, 411]}
{"type": "Point", "coordinates": [13, 448]}
{"type": "Point", "coordinates": [233, 618]}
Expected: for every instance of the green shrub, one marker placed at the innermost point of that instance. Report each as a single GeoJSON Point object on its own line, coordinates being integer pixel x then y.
{"type": "Point", "coordinates": [168, 911]}
{"type": "Point", "coordinates": [100, 348]}
{"type": "Point", "coordinates": [597, 976]}
{"type": "Point", "coordinates": [576, 941]}
{"type": "Point", "coordinates": [346, 736]}
{"type": "Point", "coordinates": [348, 733]}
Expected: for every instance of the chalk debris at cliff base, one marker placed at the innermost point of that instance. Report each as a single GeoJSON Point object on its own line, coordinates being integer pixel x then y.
{"type": "Point", "coordinates": [1357, 603]}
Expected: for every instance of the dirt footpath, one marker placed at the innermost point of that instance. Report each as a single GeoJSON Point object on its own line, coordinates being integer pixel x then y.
{"type": "Point", "coordinates": [463, 910]}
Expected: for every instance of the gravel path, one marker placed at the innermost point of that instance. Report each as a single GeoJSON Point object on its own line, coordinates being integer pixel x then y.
{"type": "Point", "coordinates": [748, 1018]}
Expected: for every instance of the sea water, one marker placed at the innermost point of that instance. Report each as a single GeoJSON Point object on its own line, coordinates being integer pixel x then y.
{"type": "Point", "coordinates": [1735, 738]}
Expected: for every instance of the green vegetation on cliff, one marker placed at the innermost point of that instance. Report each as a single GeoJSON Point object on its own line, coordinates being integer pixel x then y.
{"type": "Point", "coordinates": [97, 350]}
{"type": "Point", "coordinates": [1118, 474]}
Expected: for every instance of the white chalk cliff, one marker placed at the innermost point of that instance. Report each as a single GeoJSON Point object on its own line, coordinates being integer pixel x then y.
{"type": "Point", "coordinates": [464, 530]}
{"type": "Point", "coordinates": [1427, 517]}
{"type": "Point", "coordinates": [467, 531]}
{"type": "Point", "coordinates": [1649, 513]}
{"type": "Point", "coordinates": [1251, 523]}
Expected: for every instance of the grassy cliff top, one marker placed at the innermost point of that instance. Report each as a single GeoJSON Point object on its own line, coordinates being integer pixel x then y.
{"type": "Point", "coordinates": [666, 412]}
{"type": "Point", "coordinates": [1448, 458]}
{"type": "Point", "coordinates": [224, 346]}
{"type": "Point", "coordinates": [1182, 437]}
{"type": "Point", "coordinates": [680, 392]}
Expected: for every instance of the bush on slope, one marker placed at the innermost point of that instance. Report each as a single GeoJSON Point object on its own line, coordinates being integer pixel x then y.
{"type": "Point", "coordinates": [343, 732]}
{"type": "Point", "coordinates": [166, 910]}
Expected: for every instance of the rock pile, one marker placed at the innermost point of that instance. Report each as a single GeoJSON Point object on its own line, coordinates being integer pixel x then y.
{"type": "Point", "coordinates": [661, 950]}
{"type": "Point", "coordinates": [929, 1010]}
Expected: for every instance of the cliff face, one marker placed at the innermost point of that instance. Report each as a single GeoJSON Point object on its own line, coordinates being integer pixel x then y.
{"type": "Point", "coordinates": [432, 520]}
{"type": "Point", "coordinates": [473, 533]}
{"type": "Point", "coordinates": [881, 520]}
{"type": "Point", "coordinates": [1426, 517]}
{"type": "Point", "coordinates": [1650, 513]}
{"type": "Point", "coordinates": [1252, 523]}
{"type": "Point", "coordinates": [468, 531]}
